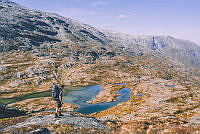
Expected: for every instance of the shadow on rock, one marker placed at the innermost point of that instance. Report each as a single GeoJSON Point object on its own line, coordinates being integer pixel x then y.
{"type": "Point", "coordinates": [7, 112]}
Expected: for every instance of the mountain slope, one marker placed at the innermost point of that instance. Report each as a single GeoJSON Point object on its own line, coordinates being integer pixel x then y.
{"type": "Point", "coordinates": [23, 28]}
{"type": "Point", "coordinates": [184, 51]}
{"type": "Point", "coordinates": [39, 48]}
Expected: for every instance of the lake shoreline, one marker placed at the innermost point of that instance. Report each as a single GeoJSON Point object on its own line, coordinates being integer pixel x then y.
{"type": "Point", "coordinates": [40, 103]}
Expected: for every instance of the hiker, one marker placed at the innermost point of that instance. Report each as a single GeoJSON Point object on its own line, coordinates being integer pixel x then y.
{"type": "Point", "coordinates": [57, 97]}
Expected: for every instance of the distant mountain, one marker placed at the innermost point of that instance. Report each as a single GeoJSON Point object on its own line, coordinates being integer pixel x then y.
{"type": "Point", "coordinates": [8, 2]}
{"type": "Point", "coordinates": [181, 50]}
{"type": "Point", "coordinates": [25, 29]}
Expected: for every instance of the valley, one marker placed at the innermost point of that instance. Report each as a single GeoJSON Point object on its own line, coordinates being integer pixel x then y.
{"type": "Point", "coordinates": [37, 48]}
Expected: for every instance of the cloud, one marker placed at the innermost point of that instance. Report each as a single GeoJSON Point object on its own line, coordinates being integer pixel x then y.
{"type": "Point", "coordinates": [121, 16]}
{"type": "Point", "coordinates": [127, 15]}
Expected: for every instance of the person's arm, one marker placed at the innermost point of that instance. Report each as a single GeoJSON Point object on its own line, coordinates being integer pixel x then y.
{"type": "Point", "coordinates": [60, 96]}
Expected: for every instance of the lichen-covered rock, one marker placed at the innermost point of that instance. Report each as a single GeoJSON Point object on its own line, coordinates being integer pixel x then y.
{"type": "Point", "coordinates": [76, 121]}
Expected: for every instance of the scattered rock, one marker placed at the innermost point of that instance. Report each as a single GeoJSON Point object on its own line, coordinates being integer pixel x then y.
{"type": "Point", "coordinates": [3, 68]}
{"type": "Point", "coordinates": [108, 118]}
{"type": "Point", "coordinates": [40, 131]}
{"type": "Point", "coordinates": [16, 83]}
{"type": "Point", "coordinates": [68, 65]}
{"type": "Point", "coordinates": [195, 120]}
{"type": "Point", "coordinates": [86, 122]}
{"type": "Point", "coordinates": [20, 75]}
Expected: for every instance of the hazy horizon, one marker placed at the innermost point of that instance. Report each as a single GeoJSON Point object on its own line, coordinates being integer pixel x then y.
{"type": "Point", "coordinates": [178, 18]}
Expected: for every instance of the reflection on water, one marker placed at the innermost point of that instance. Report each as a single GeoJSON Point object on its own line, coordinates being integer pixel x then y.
{"type": "Point", "coordinates": [80, 99]}
{"type": "Point", "coordinates": [170, 85]}
{"type": "Point", "coordinates": [121, 84]}
{"type": "Point", "coordinates": [140, 95]}
{"type": "Point", "coordinates": [67, 90]}
{"type": "Point", "coordinates": [92, 108]}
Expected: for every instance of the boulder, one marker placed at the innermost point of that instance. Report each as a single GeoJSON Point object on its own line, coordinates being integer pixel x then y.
{"type": "Point", "coordinates": [40, 131]}
{"type": "Point", "coordinates": [7, 112]}
{"type": "Point", "coordinates": [3, 68]}
{"type": "Point", "coordinates": [20, 75]}
{"type": "Point", "coordinates": [2, 106]}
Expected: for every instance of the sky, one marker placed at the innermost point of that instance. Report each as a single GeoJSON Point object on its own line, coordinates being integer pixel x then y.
{"type": "Point", "coordinates": [177, 18]}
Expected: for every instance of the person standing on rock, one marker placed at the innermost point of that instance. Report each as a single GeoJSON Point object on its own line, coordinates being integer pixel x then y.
{"type": "Point", "coordinates": [57, 97]}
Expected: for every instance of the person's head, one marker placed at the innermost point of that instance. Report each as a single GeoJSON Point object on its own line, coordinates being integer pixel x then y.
{"type": "Point", "coordinates": [62, 86]}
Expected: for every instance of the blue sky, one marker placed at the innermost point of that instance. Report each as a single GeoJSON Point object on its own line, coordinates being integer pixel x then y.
{"type": "Point", "coordinates": [178, 18]}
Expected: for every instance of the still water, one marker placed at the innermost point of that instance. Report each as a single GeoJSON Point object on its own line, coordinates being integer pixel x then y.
{"type": "Point", "coordinates": [79, 97]}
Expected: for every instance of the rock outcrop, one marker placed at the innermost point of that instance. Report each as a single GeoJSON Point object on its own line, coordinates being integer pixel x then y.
{"type": "Point", "coordinates": [7, 112]}
{"type": "Point", "coordinates": [22, 28]}
{"type": "Point", "coordinates": [76, 121]}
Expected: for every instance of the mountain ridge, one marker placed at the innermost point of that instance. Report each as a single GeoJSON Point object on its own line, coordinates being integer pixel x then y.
{"type": "Point", "coordinates": [24, 29]}
{"type": "Point", "coordinates": [185, 51]}
{"type": "Point", "coordinates": [39, 48]}
{"type": "Point", "coordinates": [27, 27]}
{"type": "Point", "coordinates": [8, 2]}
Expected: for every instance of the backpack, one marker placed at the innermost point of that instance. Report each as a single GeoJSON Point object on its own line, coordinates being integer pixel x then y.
{"type": "Point", "coordinates": [55, 92]}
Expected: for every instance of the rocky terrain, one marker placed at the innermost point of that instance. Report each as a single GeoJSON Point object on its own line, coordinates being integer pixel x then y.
{"type": "Point", "coordinates": [37, 48]}
{"type": "Point", "coordinates": [29, 29]}
{"type": "Point", "coordinates": [183, 51]}
{"type": "Point", "coordinates": [6, 112]}
{"type": "Point", "coordinates": [85, 122]}
{"type": "Point", "coordinates": [23, 28]}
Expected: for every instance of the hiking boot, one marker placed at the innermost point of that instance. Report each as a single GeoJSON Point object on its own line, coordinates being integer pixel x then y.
{"type": "Point", "coordinates": [56, 116]}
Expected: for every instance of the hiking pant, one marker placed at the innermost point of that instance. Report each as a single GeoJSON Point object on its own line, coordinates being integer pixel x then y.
{"type": "Point", "coordinates": [58, 103]}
